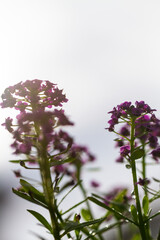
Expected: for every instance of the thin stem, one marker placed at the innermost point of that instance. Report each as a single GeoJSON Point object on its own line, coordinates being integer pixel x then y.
{"type": "Point", "coordinates": [144, 169]}
{"type": "Point", "coordinates": [145, 186]}
{"type": "Point", "coordinates": [134, 176]}
{"type": "Point", "coordinates": [120, 235]}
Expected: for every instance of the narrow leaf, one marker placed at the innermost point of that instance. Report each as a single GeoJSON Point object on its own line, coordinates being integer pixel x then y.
{"type": "Point", "coordinates": [145, 204]}
{"type": "Point", "coordinates": [32, 191]}
{"type": "Point", "coordinates": [37, 235]}
{"type": "Point", "coordinates": [101, 204]}
{"type": "Point", "coordinates": [27, 197]}
{"type": "Point", "coordinates": [75, 226]}
{"type": "Point", "coordinates": [20, 160]}
{"type": "Point", "coordinates": [86, 214]}
{"type": "Point", "coordinates": [156, 180]}
{"type": "Point", "coordinates": [103, 230]}
{"type": "Point", "coordinates": [134, 213]}
{"type": "Point", "coordinates": [41, 219]}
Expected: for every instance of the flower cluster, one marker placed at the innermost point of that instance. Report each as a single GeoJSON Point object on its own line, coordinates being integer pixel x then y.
{"type": "Point", "coordinates": [127, 110]}
{"type": "Point", "coordinates": [32, 98]}
{"type": "Point", "coordinates": [147, 127]}
{"type": "Point", "coordinates": [33, 94]}
{"type": "Point", "coordinates": [37, 124]}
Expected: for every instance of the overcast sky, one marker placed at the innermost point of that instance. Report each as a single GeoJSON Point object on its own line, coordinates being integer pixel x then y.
{"type": "Point", "coordinates": [100, 52]}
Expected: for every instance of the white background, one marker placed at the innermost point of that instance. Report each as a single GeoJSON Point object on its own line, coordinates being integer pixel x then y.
{"type": "Point", "coordinates": [101, 53]}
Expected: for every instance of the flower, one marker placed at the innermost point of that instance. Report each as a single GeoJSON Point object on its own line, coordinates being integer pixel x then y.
{"type": "Point", "coordinates": [35, 120]}
{"type": "Point", "coordinates": [143, 182]}
{"type": "Point", "coordinates": [146, 127]}
{"type": "Point", "coordinates": [95, 184]}
{"type": "Point", "coordinates": [156, 153]}
{"type": "Point", "coordinates": [120, 159]}
{"type": "Point", "coordinates": [124, 150]}
{"type": "Point", "coordinates": [33, 93]}
{"type": "Point", "coordinates": [17, 173]}
{"type": "Point", "coordinates": [128, 111]}
{"type": "Point", "coordinates": [8, 124]}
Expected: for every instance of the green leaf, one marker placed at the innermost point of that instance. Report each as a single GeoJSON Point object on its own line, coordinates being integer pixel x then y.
{"type": "Point", "coordinates": [70, 226]}
{"type": "Point", "coordinates": [138, 153]}
{"type": "Point", "coordinates": [37, 235]}
{"type": "Point", "coordinates": [100, 231]}
{"type": "Point", "coordinates": [41, 219]}
{"type": "Point", "coordinates": [136, 237]}
{"type": "Point", "coordinates": [145, 204]}
{"type": "Point", "coordinates": [32, 191]}
{"type": "Point", "coordinates": [27, 197]}
{"type": "Point", "coordinates": [134, 213]}
{"type": "Point", "coordinates": [103, 205]}
{"type": "Point", "coordinates": [156, 180]}
{"type": "Point", "coordinates": [22, 160]}
{"type": "Point", "coordinates": [86, 214]}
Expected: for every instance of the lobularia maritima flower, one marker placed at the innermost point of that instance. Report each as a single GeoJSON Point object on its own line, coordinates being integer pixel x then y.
{"type": "Point", "coordinates": [40, 116]}
{"type": "Point", "coordinates": [147, 127]}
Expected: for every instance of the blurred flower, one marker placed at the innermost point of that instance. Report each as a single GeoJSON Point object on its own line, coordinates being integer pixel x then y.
{"type": "Point", "coordinates": [143, 182]}
{"type": "Point", "coordinates": [95, 184]}
{"type": "Point", "coordinates": [124, 150]}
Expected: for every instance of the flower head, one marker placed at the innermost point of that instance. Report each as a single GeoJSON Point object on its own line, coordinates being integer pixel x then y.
{"type": "Point", "coordinates": [146, 127]}
{"type": "Point", "coordinates": [128, 111]}
{"type": "Point", "coordinates": [33, 93]}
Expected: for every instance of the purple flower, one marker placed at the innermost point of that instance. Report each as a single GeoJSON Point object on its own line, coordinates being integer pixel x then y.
{"type": "Point", "coordinates": [95, 184]}
{"type": "Point", "coordinates": [136, 111]}
{"type": "Point", "coordinates": [143, 182]}
{"type": "Point", "coordinates": [120, 159]}
{"type": "Point", "coordinates": [35, 94]}
{"type": "Point", "coordinates": [125, 131]}
{"type": "Point", "coordinates": [8, 124]}
{"type": "Point", "coordinates": [125, 105]}
{"type": "Point", "coordinates": [62, 119]}
{"type": "Point", "coordinates": [124, 150]}
{"type": "Point", "coordinates": [156, 153]}
{"type": "Point", "coordinates": [17, 173]}
{"type": "Point", "coordinates": [153, 141]}
{"type": "Point", "coordinates": [24, 148]}
{"type": "Point", "coordinates": [145, 107]}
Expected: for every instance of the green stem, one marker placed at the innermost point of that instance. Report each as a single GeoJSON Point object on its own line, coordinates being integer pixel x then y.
{"type": "Point", "coordinates": [144, 169]}
{"type": "Point", "coordinates": [134, 176]}
{"type": "Point", "coordinates": [49, 193]}
{"type": "Point", "coordinates": [47, 183]}
{"type": "Point", "coordinates": [145, 186]}
{"type": "Point", "coordinates": [120, 235]}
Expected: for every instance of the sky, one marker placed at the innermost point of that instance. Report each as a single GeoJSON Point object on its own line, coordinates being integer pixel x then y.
{"type": "Point", "coordinates": [101, 52]}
